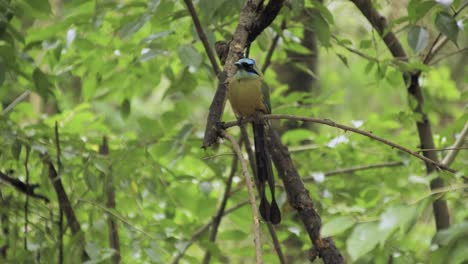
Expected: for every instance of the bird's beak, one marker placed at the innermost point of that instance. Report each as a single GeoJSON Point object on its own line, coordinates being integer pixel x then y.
{"type": "Point", "coordinates": [238, 65]}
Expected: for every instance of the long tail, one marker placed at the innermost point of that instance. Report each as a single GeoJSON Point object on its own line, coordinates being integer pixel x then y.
{"type": "Point", "coordinates": [269, 212]}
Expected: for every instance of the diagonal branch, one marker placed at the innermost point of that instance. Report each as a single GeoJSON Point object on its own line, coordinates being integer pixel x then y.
{"type": "Point", "coordinates": [331, 123]}
{"type": "Point", "coordinates": [222, 207]}
{"type": "Point", "coordinates": [27, 189]}
{"type": "Point", "coordinates": [378, 22]}
{"type": "Point", "coordinates": [249, 183]}
{"type": "Point", "coordinates": [299, 199]}
{"type": "Point", "coordinates": [455, 148]}
{"type": "Point", "coordinates": [202, 36]}
{"type": "Point", "coordinates": [271, 228]}
{"type": "Point", "coordinates": [358, 168]}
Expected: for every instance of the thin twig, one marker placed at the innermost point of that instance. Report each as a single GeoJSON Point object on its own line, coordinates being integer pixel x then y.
{"type": "Point", "coordinates": [449, 55]}
{"type": "Point", "coordinates": [271, 227]}
{"type": "Point", "coordinates": [442, 149]}
{"type": "Point", "coordinates": [331, 123]}
{"type": "Point", "coordinates": [219, 214]}
{"type": "Point", "coordinates": [118, 217]}
{"type": "Point", "coordinates": [358, 168]}
{"type": "Point", "coordinates": [109, 190]}
{"type": "Point", "coordinates": [436, 45]}
{"type": "Point", "coordinates": [26, 202]}
{"type": "Point", "coordinates": [249, 183]}
{"type": "Point", "coordinates": [272, 48]}
{"type": "Point", "coordinates": [450, 157]}
{"type": "Point", "coordinates": [18, 100]}
{"type": "Point", "coordinates": [59, 165]}
{"type": "Point", "coordinates": [202, 36]}
{"type": "Point", "coordinates": [202, 230]}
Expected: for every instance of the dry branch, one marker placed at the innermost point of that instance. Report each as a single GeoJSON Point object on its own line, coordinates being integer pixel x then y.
{"type": "Point", "coordinates": [249, 184]}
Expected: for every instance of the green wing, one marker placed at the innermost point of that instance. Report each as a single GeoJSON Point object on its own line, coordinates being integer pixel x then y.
{"type": "Point", "coordinates": [266, 96]}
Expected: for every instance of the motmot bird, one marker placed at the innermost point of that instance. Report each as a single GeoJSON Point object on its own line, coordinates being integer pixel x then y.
{"type": "Point", "coordinates": [248, 93]}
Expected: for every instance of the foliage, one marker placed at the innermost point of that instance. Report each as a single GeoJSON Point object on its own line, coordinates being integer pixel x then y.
{"type": "Point", "coordinates": [136, 72]}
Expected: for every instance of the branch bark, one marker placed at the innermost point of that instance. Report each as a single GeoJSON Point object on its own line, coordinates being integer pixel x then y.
{"type": "Point", "coordinates": [114, 241]}
{"type": "Point", "coordinates": [22, 187]}
{"type": "Point", "coordinates": [253, 204]}
{"type": "Point", "coordinates": [378, 22]}
{"type": "Point", "coordinates": [252, 21]}
{"type": "Point", "coordinates": [299, 199]}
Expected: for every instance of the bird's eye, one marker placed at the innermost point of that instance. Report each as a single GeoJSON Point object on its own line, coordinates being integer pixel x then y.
{"type": "Point", "coordinates": [245, 64]}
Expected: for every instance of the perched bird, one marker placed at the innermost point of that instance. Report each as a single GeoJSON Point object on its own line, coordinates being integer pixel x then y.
{"type": "Point", "coordinates": [248, 93]}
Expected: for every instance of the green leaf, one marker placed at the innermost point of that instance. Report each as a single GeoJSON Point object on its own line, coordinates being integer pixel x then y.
{"type": "Point", "coordinates": [41, 83]}
{"type": "Point", "coordinates": [324, 11]}
{"type": "Point", "coordinates": [418, 38]}
{"type": "Point", "coordinates": [155, 36]}
{"type": "Point", "coordinates": [40, 9]}
{"type": "Point", "coordinates": [233, 235]}
{"type": "Point", "coordinates": [321, 28]}
{"type": "Point", "coordinates": [447, 25]}
{"type": "Point", "coordinates": [189, 56]}
{"type": "Point", "coordinates": [343, 59]}
{"type": "Point", "coordinates": [417, 9]}
{"type": "Point", "coordinates": [337, 225]}
{"type": "Point", "coordinates": [2, 71]}
{"type": "Point", "coordinates": [393, 218]}
{"type": "Point", "coordinates": [362, 240]}
{"type": "Point", "coordinates": [447, 236]}
{"type": "Point", "coordinates": [365, 44]}
{"type": "Point", "coordinates": [16, 149]}
{"type": "Point", "coordinates": [125, 108]}
{"type": "Point", "coordinates": [129, 29]}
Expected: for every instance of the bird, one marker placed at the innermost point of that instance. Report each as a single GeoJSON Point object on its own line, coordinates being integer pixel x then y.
{"type": "Point", "coordinates": [248, 94]}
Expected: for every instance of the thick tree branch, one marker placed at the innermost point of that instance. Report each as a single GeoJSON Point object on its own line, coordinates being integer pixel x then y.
{"type": "Point", "coordinates": [299, 199]}
{"type": "Point", "coordinates": [249, 183]}
{"type": "Point", "coordinates": [265, 19]}
{"type": "Point", "coordinates": [250, 25]}
{"type": "Point", "coordinates": [441, 213]}
{"type": "Point", "coordinates": [22, 187]}
{"type": "Point", "coordinates": [202, 36]}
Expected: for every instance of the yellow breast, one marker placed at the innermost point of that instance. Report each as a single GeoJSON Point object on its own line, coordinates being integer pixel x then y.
{"type": "Point", "coordinates": [245, 96]}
